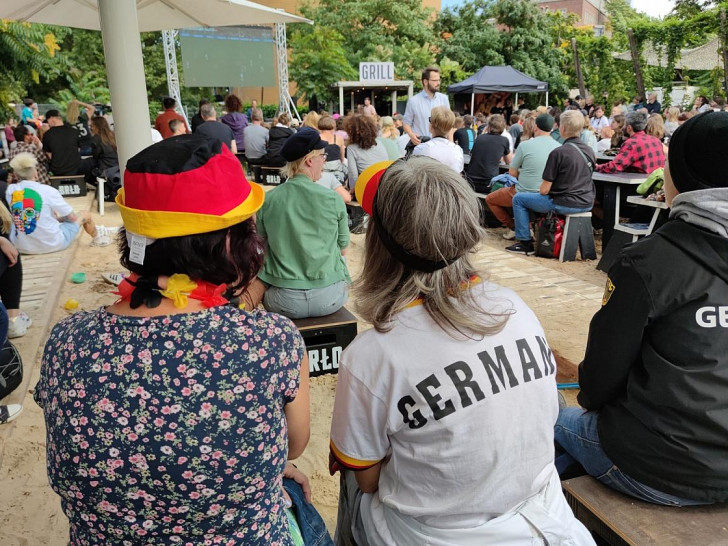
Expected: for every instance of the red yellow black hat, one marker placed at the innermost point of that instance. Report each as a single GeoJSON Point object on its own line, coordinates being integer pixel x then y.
{"type": "Point", "coordinates": [185, 185]}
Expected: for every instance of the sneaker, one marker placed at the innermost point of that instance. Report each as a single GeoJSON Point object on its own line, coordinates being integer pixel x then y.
{"type": "Point", "coordinates": [9, 412]}
{"type": "Point", "coordinates": [23, 317]}
{"type": "Point", "coordinates": [509, 235]}
{"type": "Point", "coordinates": [17, 327]}
{"type": "Point", "coordinates": [522, 247]}
{"type": "Point", "coordinates": [101, 239]}
{"type": "Point", "coordinates": [113, 278]}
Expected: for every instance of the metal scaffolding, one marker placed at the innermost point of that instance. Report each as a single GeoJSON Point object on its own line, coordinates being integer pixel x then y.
{"type": "Point", "coordinates": [169, 38]}
{"type": "Point", "coordinates": [285, 102]}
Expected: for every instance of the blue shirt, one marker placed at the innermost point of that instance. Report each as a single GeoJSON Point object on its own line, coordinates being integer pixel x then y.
{"type": "Point", "coordinates": [417, 113]}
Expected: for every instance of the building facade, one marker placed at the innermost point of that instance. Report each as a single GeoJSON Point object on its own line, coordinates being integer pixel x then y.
{"type": "Point", "coordinates": [590, 12]}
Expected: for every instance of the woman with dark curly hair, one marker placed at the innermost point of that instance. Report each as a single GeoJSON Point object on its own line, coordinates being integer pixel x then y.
{"type": "Point", "coordinates": [363, 149]}
{"type": "Point", "coordinates": [170, 414]}
{"type": "Point", "coordinates": [235, 119]}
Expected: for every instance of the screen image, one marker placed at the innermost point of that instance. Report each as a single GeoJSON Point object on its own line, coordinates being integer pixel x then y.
{"type": "Point", "coordinates": [228, 57]}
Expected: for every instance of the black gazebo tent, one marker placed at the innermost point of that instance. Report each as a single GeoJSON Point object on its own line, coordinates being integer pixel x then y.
{"type": "Point", "coordinates": [492, 79]}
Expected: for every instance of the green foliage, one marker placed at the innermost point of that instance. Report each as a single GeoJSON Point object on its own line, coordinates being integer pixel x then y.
{"type": "Point", "coordinates": [498, 32]}
{"type": "Point", "coordinates": [318, 59]}
{"type": "Point", "coordinates": [28, 54]}
{"type": "Point", "coordinates": [378, 30]}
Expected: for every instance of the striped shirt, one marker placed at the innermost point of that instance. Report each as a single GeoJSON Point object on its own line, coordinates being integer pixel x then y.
{"type": "Point", "coordinates": [417, 113]}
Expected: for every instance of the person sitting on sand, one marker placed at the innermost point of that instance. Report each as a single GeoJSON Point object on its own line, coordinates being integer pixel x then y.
{"type": "Point", "coordinates": [443, 418]}
{"type": "Point", "coordinates": [43, 221]}
{"type": "Point", "coordinates": [171, 415]}
{"type": "Point", "coordinates": [653, 422]}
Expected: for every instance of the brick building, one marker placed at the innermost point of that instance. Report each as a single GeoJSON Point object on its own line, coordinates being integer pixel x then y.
{"type": "Point", "coordinates": [590, 12]}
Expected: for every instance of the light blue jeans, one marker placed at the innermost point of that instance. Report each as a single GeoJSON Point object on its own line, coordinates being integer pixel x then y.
{"type": "Point", "coordinates": [577, 440]}
{"type": "Point", "coordinates": [316, 302]}
{"type": "Point", "coordinates": [524, 201]}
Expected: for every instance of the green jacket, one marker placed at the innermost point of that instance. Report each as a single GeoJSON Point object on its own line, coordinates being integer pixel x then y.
{"type": "Point", "coordinates": [306, 227]}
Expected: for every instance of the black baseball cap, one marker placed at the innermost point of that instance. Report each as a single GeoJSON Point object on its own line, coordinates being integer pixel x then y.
{"type": "Point", "coordinates": [305, 141]}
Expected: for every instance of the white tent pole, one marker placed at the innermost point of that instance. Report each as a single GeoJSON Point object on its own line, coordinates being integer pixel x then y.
{"type": "Point", "coordinates": [547, 98]}
{"type": "Point", "coordinates": [472, 103]}
{"type": "Point", "coordinates": [341, 99]}
{"type": "Point", "coordinates": [125, 69]}
{"type": "Point", "coordinates": [394, 101]}
{"type": "Point", "coordinates": [516, 103]}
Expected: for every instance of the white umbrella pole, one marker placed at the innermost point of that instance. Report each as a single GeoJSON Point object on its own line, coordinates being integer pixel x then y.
{"type": "Point", "coordinates": [125, 70]}
{"type": "Point", "coordinates": [472, 103]}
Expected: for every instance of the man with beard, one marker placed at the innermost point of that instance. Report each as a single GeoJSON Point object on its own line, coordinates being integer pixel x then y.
{"type": "Point", "coordinates": [417, 114]}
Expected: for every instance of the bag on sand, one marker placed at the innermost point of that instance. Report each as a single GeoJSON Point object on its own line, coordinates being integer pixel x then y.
{"type": "Point", "coordinates": [549, 231]}
{"type": "Point", "coordinates": [11, 369]}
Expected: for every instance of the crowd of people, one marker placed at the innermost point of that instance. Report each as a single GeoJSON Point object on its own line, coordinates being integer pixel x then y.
{"type": "Point", "coordinates": [191, 442]}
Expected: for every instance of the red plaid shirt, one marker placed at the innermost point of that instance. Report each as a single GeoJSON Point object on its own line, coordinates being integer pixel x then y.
{"type": "Point", "coordinates": [641, 154]}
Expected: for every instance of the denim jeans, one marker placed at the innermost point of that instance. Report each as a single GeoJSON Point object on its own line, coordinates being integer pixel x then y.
{"type": "Point", "coordinates": [4, 323]}
{"type": "Point", "coordinates": [316, 302]}
{"type": "Point", "coordinates": [312, 526]}
{"type": "Point", "coordinates": [577, 440]}
{"type": "Point", "coordinates": [523, 202]}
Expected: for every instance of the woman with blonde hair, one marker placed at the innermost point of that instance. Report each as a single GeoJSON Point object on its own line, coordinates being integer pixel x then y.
{"type": "Point", "coordinates": [306, 230]}
{"type": "Point", "coordinates": [529, 124]}
{"type": "Point", "coordinates": [311, 120]}
{"type": "Point", "coordinates": [80, 120]}
{"type": "Point", "coordinates": [656, 128]}
{"type": "Point", "coordinates": [441, 146]}
{"type": "Point", "coordinates": [388, 136]}
{"type": "Point", "coordinates": [455, 377]}
{"type": "Point", "coordinates": [671, 122]}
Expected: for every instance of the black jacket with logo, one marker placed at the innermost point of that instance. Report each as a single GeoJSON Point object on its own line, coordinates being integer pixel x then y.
{"type": "Point", "coordinates": [656, 364]}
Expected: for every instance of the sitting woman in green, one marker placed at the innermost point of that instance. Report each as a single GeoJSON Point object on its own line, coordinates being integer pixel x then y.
{"type": "Point", "coordinates": [306, 230]}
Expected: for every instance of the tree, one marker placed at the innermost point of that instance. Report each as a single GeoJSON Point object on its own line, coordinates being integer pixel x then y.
{"type": "Point", "coordinates": [28, 53]}
{"type": "Point", "coordinates": [379, 30]}
{"type": "Point", "coordinates": [318, 59]}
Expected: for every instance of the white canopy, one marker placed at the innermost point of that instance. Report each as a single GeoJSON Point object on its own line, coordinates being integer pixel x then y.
{"type": "Point", "coordinates": [120, 22]}
{"type": "Point", "coordinates": [704, 57]}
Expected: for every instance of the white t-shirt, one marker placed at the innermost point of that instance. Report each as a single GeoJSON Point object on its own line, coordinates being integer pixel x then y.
{"type": "Point", "coordinates": [464, 427]}
{"type": "Point", "coordinates": [34, 208]}
{"type": "Point", "coordinates": [444, 151]}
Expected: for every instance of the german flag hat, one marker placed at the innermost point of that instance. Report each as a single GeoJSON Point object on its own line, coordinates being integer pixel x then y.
{"type": "Point", "coordinates": [185, 185]}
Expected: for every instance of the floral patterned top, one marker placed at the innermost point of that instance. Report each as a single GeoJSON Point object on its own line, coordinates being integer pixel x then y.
{"type": "Point", "coordinates": [170, 429]}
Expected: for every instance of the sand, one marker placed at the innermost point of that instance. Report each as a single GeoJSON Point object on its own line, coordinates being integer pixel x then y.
{"type": "Point", "coordinates": [564, 296]}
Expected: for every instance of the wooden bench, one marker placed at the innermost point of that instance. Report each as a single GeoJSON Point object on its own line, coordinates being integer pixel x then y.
{"type": "Point", "coordinates": [326, 337]}
{"type": "Point", "coordinates": [622, 520]}
{"type": "Point", "coordinates": [70, 186]}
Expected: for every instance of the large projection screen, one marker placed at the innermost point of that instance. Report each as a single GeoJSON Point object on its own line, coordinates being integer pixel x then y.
{"type": "Point", "coordinates": [228, 57]}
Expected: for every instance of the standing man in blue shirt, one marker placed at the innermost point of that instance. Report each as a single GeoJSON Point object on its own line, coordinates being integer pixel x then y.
{"type": "Point", "coordinates": [416, 121]}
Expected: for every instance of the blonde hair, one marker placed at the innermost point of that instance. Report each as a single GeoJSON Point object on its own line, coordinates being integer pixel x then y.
{"type": "Point", "coordinates": [72, 112]}
{"type": "Point", "coordinates": [6, 220]}
{"type": "Point", "coordinates": [311, 120]}
{"type": "Point", "coordinates": [293, 168]}
{"type": "Point", "coordinates": [432, 213]}
{"type": "Point", "coordinates": [529, 125]}
{"type": "Point", "coordinates": [655, 126]}
{"type": "Point", "coordinates": [672, 113]}
{"type": "Point", "coordinates": [442, 120]}
{"type": "Point", "coordinates": [571, 123]}
{"type": "Point", "coordinates": [25, 166]}
{"type": "Point", "coordinates": [388, 130]}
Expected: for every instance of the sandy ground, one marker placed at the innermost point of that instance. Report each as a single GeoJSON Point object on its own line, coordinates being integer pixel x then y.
{"type": "Point", "coordinates": [30, 513]}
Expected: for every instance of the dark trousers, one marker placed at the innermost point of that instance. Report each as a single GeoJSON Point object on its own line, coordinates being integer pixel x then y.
{"type": "Point", "coordinates": [11, 282]}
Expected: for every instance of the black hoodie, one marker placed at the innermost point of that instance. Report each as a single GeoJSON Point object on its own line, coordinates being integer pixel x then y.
{"type": "Point", "coordinates": [656, 363]}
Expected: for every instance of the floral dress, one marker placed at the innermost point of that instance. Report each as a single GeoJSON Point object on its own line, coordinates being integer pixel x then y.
{"type": "Point", "coordinates": [170, 429]}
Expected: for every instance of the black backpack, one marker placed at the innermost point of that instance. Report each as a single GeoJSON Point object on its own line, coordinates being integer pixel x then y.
{"type": "Point", "coordinates": [11, 369]}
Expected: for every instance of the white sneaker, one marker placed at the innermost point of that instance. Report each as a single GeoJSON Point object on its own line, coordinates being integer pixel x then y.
{"type": "Point", "coordinates": [113, 278]}
{"type": "Point", "coordinates": [17, 327]}
{"type": "Point", "coordinates": [509, 235]}
{"type": "Point", "coordinates": [9, 412]}
{"type": "Point", "coordinates": [23, 317]}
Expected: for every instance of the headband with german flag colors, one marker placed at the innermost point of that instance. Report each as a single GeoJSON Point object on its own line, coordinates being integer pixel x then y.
{"type": "Point", "coordinates": [366, 190]}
